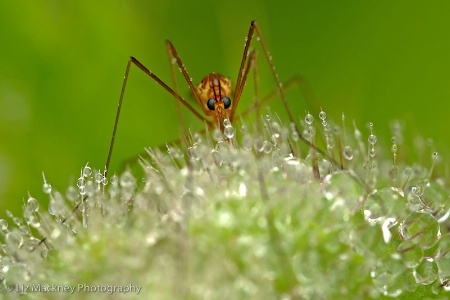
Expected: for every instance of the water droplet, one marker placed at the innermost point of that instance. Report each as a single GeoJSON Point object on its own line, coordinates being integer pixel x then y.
{"type": "Point", "coordinates": [410, 253]}
{"type": "Point", "coordinates": [440, 286]}
{"type": "Point", "coordinates": [192, 152]}
{"type": "Point", "coordinates": [114, 180]}
{"type": "Point", "coordinates": [343, 191]}
{"type": "Point", "coordinates": [90, 187]}
{"type": "Point", "coordinates": [196, 138]}
{"type": "Point", "coordinates": [71, 193]}
{"type": "Point", "coordinates": [293, 126]}
{"type": "Point", "coordinates": [348, 153]}
{"type": "Point", "coordinates": [325, 166]}
{"type": "Point", "coordinates": [243, 129]}
{"type": "Point", "coordinates": [267, 147]}
{"type": "Point", "coordinates": [431, 197]}
{"type": "Point", "coordinates": [388, 276]}
{"type": "Point", "coordinates": [387, 202]}
{"type": "Point", "coordinates": [322, 115]}
{"type": "Point", "coordinates": [54, 207]}
{"type": "Point", "coordinates": [17, 221]}
{"type": "Point", "coordinates": [372, 152]}
{"type": "Point", "coordinates": [127, 180]}
{"type": "Point", "coordinates": [276, 128]}
{"type": "Point", "coordinates": [217, 135]}
{"type": "Point", "coordinates": [394, 148]}
{"type": "Point", "coordinates": [372, 139]}
{"type": "Point", "coordinates": [114, 191]}
{"type": "Point", "coordinates": [31, 243]}
{"type": "Point", "coordinates": [311, 132]}
{"type": "Point", "coordinates": [46, 188]}
{"type": "Point", "coordinates": [426, 272]}
{"type": "Point", "coordinates": [421, 228]}
{"type": "Point", "coordinates": [226, 122]}
{"type": "Point", "coordinates": [443, 257]}
{"type": "Point", "coordinates": [217, 158]}
{"type": "Point", "coordinates": [393, 172]}
{"type": "Point", "coordinates": [82, 191]}
{"type": "Point", "coordinates": [229, 132]}
{"type": "Point", "coordinates": [98, 177]}
{"type": "Point", "coordinates": [17, 272]}
{"type": "Point", "coordinates": [14, 239]}
{"type": "Point", "coordinates": [32, 205]}
{"type": "Point", "coordinates": [259, 144]}
{"type": "Point", "coordinates": [81, 182]}
{"type": "Point", "coordinates": [34, 221]}
{"type": "Point", "coordinates": [247, 142]}
{"type": "Point", "coordinates": [274, 139]}
{"type": "Point", "coordinates": [417, 190]}
{"type": "Point", "coordinates": [368, 165]}
{"type": "Point", "coordinates": [87, 171]}
{"type": "Point", "coordinates": [3, 224]}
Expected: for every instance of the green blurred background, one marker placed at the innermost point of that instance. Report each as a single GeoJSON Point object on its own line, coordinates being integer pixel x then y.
{"type": "Point", "coordinates": [62, 66]}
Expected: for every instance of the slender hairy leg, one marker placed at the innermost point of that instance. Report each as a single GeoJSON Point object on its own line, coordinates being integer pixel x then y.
{"type": "Point", "coordinates": [256, 104]}
{"type": "Point", "coordinates": [242, 77]}
{"type": "Point", "coordinates": [296, 82]}
{"type": "Point", "coordinates": [174, 54]}
{"type": "Point", "coordinates": [175, 88]}
{"type": "Point", "coordinates": [177, 97]}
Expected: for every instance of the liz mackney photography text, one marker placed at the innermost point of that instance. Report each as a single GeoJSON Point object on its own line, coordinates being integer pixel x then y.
{"type": "Point", "coordinates": [70, 289]}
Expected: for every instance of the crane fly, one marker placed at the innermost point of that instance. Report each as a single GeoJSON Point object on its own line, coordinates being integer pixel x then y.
{"type": "Point", "coordinates": [214, 94]}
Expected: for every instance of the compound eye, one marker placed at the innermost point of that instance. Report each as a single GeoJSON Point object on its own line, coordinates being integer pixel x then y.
{"type": "Point", "coordinates": [226, 102]}
{"type": "Point", "coordinates": [210, 104]}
